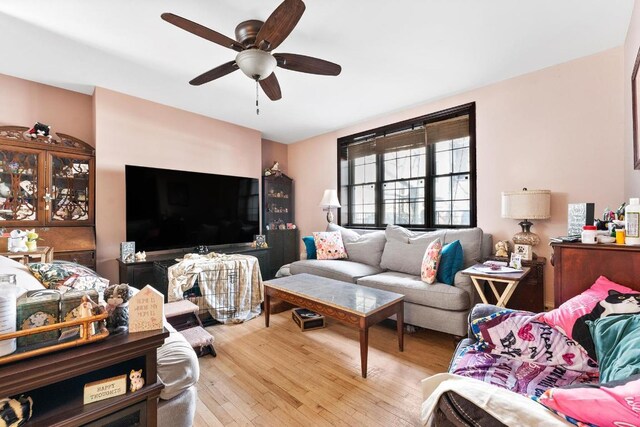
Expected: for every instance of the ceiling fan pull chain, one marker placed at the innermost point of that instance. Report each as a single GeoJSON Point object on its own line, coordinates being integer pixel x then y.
{"type": "Point", "coordinates": [257, 105]}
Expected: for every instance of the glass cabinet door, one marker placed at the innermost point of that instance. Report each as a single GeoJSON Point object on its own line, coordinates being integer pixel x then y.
{"type": "Point", "coordinates": [19, 204]}
{"type": "Point", "coordinates": [69, 189]}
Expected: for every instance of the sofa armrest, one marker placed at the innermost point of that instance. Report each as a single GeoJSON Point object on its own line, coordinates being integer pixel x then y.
{"type": "Point", "coordinates": [464, 282]}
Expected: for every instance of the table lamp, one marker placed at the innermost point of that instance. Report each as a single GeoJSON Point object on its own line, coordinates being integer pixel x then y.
{"type": "Point", "coordinates": [526, 205]}
{"type": "Point", "coordinates": [328, 202]}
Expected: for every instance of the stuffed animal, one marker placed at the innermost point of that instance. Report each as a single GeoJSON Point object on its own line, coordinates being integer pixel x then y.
{"type": "Point", "coordinates": [502, 248]}
{"type": "Point", "coordinates": [15, 412]}
{"type": "Point", "coordinates": [40, 129]}
{"type": "Point", "coordinates": [18, 241]}
{"type": "Point", "coordinates": [117, 299]}
{"type": "Point", "coordinates": [141, 256]}
{"type": "Point", "coordinates": [137, 382]}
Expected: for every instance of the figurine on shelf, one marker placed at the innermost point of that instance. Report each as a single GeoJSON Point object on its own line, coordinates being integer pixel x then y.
{"type": "Point", "coordinates": [141, 256]}
{"type": "Point", "coordinates": [86, 310]}
{"type": "Point", "coordinates": [137, 382]}
{"type": "Point", "coordinates": [18, 241]}
{"type": "Point", "coordinates": [117, 299]}
{"type": "Point", "coordinates": [40, 129]}
{"type": "Point", "coordinates": [274, 170]}
{"type": "Point", "coordinates": [15, 412]}
{"type": "Point", "coordinates": [502, 248]}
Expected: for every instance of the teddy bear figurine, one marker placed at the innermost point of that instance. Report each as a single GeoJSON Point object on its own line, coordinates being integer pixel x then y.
{"type": "Point", "coordinates": [502, 248]}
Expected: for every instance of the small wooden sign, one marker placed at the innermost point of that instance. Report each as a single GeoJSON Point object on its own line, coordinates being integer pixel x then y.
{"type": "Point", "coordinates": [105, 389]}
{"type": "Point", "coordinates": [146, 310]}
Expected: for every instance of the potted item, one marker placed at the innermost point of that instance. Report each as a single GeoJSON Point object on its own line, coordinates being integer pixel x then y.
{"type": "Point", "coordinates": [32, 240]}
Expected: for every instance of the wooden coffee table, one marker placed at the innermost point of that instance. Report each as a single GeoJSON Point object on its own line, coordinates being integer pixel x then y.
{"type": "Point", "coordinates": [352, 304]}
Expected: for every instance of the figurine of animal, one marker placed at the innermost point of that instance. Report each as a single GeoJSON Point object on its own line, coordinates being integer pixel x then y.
{"type": "Point", "coordinates": [502, 248]}
{"type": "Point", "coordinates": [40, 129]}
{"type": "Point", "coordinates": [141, 256]}
{"type": "Point", "coordinates": [137, 382]}
{"type": "Point", "coordinates": [117, 299]}
{"type": "Point", "coordinates": [15, 412]}
{"type": "Point", "coordinates": [18, 241]}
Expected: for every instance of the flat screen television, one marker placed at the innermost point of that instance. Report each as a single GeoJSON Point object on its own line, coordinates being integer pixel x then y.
{"type": "Point", "coordinates": [169, 209]}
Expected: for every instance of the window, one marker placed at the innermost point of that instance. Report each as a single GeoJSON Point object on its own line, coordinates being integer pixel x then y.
{"type": "Point", "coordinates": [419, 173]}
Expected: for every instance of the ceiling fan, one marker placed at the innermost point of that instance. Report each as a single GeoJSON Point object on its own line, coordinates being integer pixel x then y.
{"type": "Point", "coordinates": [254, 42]}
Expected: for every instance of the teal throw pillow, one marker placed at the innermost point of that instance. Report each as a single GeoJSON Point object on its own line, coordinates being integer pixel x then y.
{"type": "Point", "coordinates": [310, 246]}
{"type": "Point", "coordinates": [451, 260]}
{"type": "Point", "coordinates": [617, 342]}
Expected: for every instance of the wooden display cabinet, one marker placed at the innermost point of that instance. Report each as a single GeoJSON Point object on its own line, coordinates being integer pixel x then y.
{"type": "Point", "coordinates": [278, 210]}
{"type": "Point", "coordinates": [49, 184]}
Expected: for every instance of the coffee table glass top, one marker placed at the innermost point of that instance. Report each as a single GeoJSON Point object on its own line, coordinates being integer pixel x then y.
{"type": "Point", "coordinates": [347, 296]}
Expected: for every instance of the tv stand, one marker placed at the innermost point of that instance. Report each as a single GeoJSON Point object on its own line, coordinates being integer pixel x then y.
{"type": "Point", "coordinates": [141, 273]}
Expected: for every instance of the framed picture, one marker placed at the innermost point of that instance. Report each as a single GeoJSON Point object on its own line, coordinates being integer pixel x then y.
{"type": "Point", "coordinates": [128, 251]}
{"type": "Point", "coordinates": [524, 251]}
{"type": "Point", "coordinates": [260, 240]}
{"type": "Point", "coordinates": [635, 92]}
{"type": "Point", "coordinates": [516, 261]}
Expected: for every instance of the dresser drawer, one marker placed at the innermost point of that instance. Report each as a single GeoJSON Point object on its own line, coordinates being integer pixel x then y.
{"type": "Point", "coordinates": [86, 258]}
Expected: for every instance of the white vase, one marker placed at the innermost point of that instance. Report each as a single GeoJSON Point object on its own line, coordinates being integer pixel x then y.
{"type": "Point", "coordinates": [8, 315]}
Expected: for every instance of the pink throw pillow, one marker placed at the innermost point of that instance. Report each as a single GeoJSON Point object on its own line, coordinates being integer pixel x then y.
{"type": "Point", "coordinates": [329, 245]}
{"type": "Point", "coordinates": [430, 262]}
{"type": "Point", "coordinates": [613, 404]}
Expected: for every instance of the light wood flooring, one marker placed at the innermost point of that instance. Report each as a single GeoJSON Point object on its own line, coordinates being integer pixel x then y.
{"type": "Point", "coordinates": [280, 376]}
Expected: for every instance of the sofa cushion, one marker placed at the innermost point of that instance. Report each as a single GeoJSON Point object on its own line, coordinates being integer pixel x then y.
{"type": "Point", "coordinates": [365, 248]}
{"type": "Point", "coordinates": [405, 249]}
{"type": "Point", "coordinates": [471, 241]}
{"type": "Point", "coordinates": [329, 245]}
{"type": "Point", "coordinates": [347, 271]}
{"type": "Point", "coordinates": [416, 291]}
{"type": "Point", "coordinates": [451, 261]}
{"type": "Point", "coordinates": [310, 246]}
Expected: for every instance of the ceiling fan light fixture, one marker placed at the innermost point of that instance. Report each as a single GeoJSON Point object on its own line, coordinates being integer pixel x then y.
{"type": "Point", "coordinates": [256, 63]}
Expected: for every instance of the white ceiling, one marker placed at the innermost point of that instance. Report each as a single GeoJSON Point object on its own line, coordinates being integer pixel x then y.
{"type": "Point", "coordinates": [394, 54]}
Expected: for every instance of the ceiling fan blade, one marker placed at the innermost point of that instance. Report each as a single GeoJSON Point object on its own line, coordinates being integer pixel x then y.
{"type": "Point", "coordinates": [215, 73]}
{"type": "Point", "coordinates": [280, 24]}
{"type": "Point", "coordinates": [307, 64]}
{"type": "Point", "coordinates": [271, 87]}
{"type": "Point", "coordinates": [202, 31]}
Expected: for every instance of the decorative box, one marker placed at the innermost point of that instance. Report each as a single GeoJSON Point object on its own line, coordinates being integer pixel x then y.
{"type": "Point", "coordinates": [69, 304]}
{"type": "Point", "coordinates": [307, 319]}
{"type": "Point", "coordinates": [35, 309]}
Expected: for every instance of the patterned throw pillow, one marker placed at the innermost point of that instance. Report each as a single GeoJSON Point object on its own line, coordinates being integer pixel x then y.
{"type": "Point", "coordinates": [64, 275]}
{"type": "Point", "coordinates": [430, 261]}
{"type": "Point", "coordinates": [329, 245]}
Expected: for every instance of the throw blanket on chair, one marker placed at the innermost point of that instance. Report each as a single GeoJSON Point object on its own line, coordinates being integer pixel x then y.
{"type": "Point", "coordinates": [519, 352]}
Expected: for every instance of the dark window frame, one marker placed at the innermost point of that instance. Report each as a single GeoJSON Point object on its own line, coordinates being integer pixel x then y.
{"type": "Point", "coordinates": [460, 110]}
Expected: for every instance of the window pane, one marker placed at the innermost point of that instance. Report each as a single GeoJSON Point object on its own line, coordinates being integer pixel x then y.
{"type": "Point", "coordinates": [442, 188]}
{"type": "Point", "coordinates": [357, 195]}
{"type": "Point", "coordinates": [461, 160]}
{"type": "Point", "coordinates": [370, 159]}
{"type": "Point", "coordinates": [417, 213]}
{"type": "Point", "coordinates": [370, 172]}
{"type": "Point", "coordinates": [404, 153]}
{"type": "Point", "coordinates": [390, 155]}
{"type": "Point", "coordinates": [460, 187]}
{"type": "Point", "coordinates": [461, 142]}
{"type": "Point", "coordinates": [369, 195]}
{"type": "Point", "coordinates": [389, 213]}
{"type": "Point", "coordinates": [443, 162]}
{"type": "Point", "coordinates": [402, 213]}
{"type": "Point", "coordinates": [418, 151]}
{"type": "Point", "coordinates": [389, 192]}
{"type": "Point", "coordinates": [402, 190]}
{"type": "Point", "coordinates": [359, 161]}
{"type": "Point", "coordinates": [404, 167]}
{"type": "Point", "coordinates": [418, 166]}
{"type": "Point", "coordinates": [358, 174]}
{"type": "Point", "coordinates": [443, 145]}
{"type": "Point", "coordinates": [389, 170]}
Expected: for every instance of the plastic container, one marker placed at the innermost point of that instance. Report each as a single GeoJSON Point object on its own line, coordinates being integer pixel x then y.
{"type": "Point", "coordinates": [632, 222]}
{"type": "Point", "coordinates": [8, 297]}
{"type": "Point", "coordinates": [589, 234]}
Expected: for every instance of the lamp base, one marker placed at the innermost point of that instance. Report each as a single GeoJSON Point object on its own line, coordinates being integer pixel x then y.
{"type": "Point", "coordinates": [329, 216]}
{"type": "Point", "coordinates": [526, 237]}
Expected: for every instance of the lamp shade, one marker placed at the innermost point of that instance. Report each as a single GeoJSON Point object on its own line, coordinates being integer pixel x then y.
{"type": "Point", "coordinates": [256, 63]}
{"type": "Point", "coordinates": [330, 199]}
{"type": "Point", "coordinates": [526, 204]}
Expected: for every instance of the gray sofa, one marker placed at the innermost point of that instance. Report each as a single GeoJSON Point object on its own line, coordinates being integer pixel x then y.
{"type": "Point", "coordinates": [391, 259]}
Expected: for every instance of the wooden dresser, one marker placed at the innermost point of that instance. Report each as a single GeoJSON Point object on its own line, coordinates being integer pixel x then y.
{"type": "Point", "coordinates": [578, 265]}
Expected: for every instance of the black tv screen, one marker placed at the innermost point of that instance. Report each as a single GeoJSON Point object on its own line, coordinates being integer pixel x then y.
{"type": "Point", "coordinates": [168, 209]}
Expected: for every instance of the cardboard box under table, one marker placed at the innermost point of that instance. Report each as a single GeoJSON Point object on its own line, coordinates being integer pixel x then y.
{"type": "Point", "coordinates": [38, 309]}
{"type": "Point", "coordinates": [307, 319]}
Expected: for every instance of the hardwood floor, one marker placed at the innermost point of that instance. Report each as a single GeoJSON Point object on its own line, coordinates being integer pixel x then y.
{"type": "Point", "coordinates": [281, 376]}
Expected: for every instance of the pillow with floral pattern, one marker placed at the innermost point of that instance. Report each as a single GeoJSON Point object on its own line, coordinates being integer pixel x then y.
{"type": "Point", "coordinates": [64, 275]}
{"type": "Point", "coordinates": [329, 245]}
{"type": "Point", "coordinates": [430, 261]}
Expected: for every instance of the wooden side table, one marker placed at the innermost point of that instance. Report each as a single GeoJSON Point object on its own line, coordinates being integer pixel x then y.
{"type": "Point", "coordinates": [510, 279]}
{"type": "Point", "coordinates": [44, 253]}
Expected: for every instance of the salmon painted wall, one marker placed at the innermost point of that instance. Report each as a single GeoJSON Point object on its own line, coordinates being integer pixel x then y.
{"type": "Point", "coordinates": [273, 151]}
{"type": "Point", "coordinates": [560, 128]}
{"type": "Point", "coordinates": [631, 47]}
{"type": "Point", "coordinates": [23, 102]}
{"type": "Point", "coordinates": [137, 132]}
